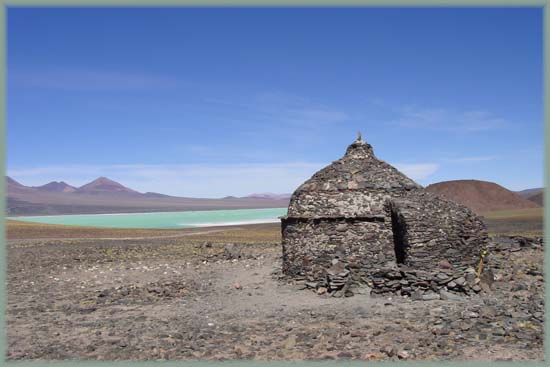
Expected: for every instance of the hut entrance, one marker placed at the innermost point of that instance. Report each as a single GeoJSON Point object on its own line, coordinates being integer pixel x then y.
{"type": "Point", "coordinates": [399, 229]}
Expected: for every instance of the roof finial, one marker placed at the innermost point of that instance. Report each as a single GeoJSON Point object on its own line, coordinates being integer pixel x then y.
{"type": "Point", "coordinates": [359, 136]}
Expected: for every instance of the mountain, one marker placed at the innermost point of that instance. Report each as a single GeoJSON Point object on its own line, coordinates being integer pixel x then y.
{"type": "Point", "coordinates": [535, 195]}
{"type": "Point", "coordinates": [11, 182]}
{"type": "Point", "coordinates": [56, 186]}
{"type": "Point", "coordinates": [537, 198]}
{"type": "Point", "coordinates": [104, 185]}
{"type": "Point", "coordinates": [529, 192]}
{"type": "Point", "coordinates": [14, 186]}
{"type": "Point", "coordinates": [481, 196]}
{"type": "Point", "coordinates": [156, 195]}
{"type": "Point", "coordinates": [269, 195]}
{"type": "Point", "coordinates": [107, 196]}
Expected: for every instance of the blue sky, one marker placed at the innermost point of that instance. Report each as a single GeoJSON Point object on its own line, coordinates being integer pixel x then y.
{"type": "Point", "coordinates": [215, 102]}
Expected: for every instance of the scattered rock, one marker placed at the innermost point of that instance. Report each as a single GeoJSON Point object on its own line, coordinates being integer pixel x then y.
{"type": "Point", "coordinates": [403, 354]}
{"type": "Point", "coordinates": [290, 342]}
{"type": "Point", "coordinates": [388, 350]}
{"type": "Point", "coordinates": [232, 251]}
{"type": "Point", "coordinates": [461, 281]}
{"type": "Point", "coordinates": [444, 264]}
{"type": "Point", "coordinates": [444, 295]}
{"type": "Point", "coordinates": [430, 297]}
{"type": "Point", "coordinates": [311, 285]}
{"type": "Point", "coordinates": [321, 290]}
{"type": "Point", "coordinates": [487, 279]}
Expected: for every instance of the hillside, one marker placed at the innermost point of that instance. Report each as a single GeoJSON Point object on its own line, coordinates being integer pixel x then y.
{"type": "Point", "coordinates": [529, 192]}
{"type": "Point", "coordinates": [13, 186]}
{"type": "Point", "coordinates": [535, 195]}
{"type": "Point", "coordinates": [481, 196]}
{"type": "Point", "coordinates": [537, 198]}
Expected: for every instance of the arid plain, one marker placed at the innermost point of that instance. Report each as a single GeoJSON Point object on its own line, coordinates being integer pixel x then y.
{"type": "Point", "coordinates": [215, 293]}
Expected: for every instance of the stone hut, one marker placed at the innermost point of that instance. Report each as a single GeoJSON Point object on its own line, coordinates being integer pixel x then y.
{"type": "Point", "coordinates": [361, 221]}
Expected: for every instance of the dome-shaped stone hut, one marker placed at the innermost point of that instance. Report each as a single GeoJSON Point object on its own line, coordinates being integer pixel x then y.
{"type": "Point", "coordinates": [360, 220]}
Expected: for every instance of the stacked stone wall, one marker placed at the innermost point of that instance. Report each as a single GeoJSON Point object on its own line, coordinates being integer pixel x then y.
{"type": "Point", "coordinates": [310, 246]}
{"type": "Point", "coordinates": [439, 229]}
{"type": "Point", "coordinates": [345, 203]}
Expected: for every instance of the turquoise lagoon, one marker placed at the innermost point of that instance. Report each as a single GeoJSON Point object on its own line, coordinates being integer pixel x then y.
{"type": "Point", "coordinates": [165, 220]}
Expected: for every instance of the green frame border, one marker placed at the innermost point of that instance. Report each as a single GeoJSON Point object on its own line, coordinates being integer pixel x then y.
{"type": "Point", "coordinates": [544, 4]}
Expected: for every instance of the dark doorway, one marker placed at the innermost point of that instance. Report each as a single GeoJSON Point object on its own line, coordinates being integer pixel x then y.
{"type": "Point", "coordinates": [399, 228]}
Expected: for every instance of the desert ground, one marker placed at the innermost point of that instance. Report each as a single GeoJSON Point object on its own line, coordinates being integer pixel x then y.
{"type": "Point", "coordinates": [217, 293]}
{"type": "Point", "coordinates": [526, 222]}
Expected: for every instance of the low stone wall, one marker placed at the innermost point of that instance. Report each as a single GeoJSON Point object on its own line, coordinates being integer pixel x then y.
{"type": "Point", "coordinates": [420, 284]}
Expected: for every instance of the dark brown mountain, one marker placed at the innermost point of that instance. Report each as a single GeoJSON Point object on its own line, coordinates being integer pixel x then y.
{"type": "Point", "coordinates": [529, 192]}
{"type": "Point", "coordinates": [535, 195]}
{"type": "Point", "coordinates": [56, 186]}
{"type": "Point", "coordinates": [104, 185]}
{"type": "Point", "coordinates": [537, 198]}
{"type": "Point", "coordinates": [481, 196]}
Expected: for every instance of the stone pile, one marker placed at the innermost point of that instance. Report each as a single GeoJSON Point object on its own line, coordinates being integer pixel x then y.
{"type": "Point", "coordinates": [152, 292]}
{"type": "Point", "coordinates": [514, 243]}
{"type": "Point", "coordinates": [445, 283]}
{"type": "Point", "coordinates": [419, 285]}
{"type": "Point", "coordinates": [426, 285]}
{"type": "Point", "coordinates": [338, 277]}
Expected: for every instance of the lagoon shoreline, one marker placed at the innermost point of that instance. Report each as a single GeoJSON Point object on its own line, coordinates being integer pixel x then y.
{"type": "Point", "coordinates": [163, 220]}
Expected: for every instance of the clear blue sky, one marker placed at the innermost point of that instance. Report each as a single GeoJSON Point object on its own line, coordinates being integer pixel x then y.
{"type": "Point", "coordinates": [215, 102]}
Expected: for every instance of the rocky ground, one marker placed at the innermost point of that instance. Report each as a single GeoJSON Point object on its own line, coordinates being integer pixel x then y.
{"type": "Point", "coordinates": [183, 298]}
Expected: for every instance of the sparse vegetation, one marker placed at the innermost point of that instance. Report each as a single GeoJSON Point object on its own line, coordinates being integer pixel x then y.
{"type": "Point", "coordinates": [256, 233]}
{"type": "Point", "coordinates": [525, 222]}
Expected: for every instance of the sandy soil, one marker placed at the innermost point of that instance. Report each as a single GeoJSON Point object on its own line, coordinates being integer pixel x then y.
{"type": "Point", "coordinates": [184, 298]}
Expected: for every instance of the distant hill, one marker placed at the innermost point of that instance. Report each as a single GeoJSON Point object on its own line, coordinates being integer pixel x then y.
{"type": "Point", "coordinates": [535, 195]}
{"type": "Point", "coordinates": [56, 186]}
{"type": "Point", "coordinates": [103, 184]}
{"type": "Point", "coordinates": [104, 195]}
{"type": "Point", "coordinates": [537, 198]}
{"type": "Point", "coordinates": [156, 195]}
{"type": "Point", "coordinates": [14, 186]}
{"type": "Point", "coordinates": [269, 195]}
{"type": "Point", "coordinates": [10, 181]}
{"type": "Point", "coordinates": [481, 196]}
{"type": "Point", "coordinates": [529, 192]}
